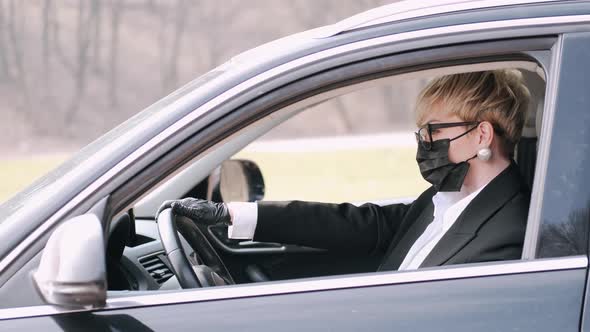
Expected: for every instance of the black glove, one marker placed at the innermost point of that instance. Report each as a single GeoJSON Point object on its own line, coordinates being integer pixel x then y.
{"type": "Point", "coordinates": [199, 210]}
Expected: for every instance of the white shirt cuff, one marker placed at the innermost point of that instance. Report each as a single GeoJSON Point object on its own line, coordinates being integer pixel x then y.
{"type": "Point", "coordinates": [245, 216]}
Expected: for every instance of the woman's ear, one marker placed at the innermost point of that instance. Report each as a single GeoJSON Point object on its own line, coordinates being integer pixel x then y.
{"type": "Point", "coordinates": [486, 134]}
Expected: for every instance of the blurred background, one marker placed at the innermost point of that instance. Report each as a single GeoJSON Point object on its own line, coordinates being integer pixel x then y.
{"type": "Point", "coordinates": [72, 70]}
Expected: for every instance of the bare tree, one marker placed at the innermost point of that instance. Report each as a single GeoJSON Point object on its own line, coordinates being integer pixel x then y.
{"type": "Point", "coordinates": [162, 37]}
{"type": "Point", "coordinates": [45, 35]}
{"type": "Point", "coordinates": [56, 40]}
{"type": "Point", "coordinates": [85, 21]}
{"type": "Point", "coordinates": [116, 11]}
{"type": "Point", "coordinates": [169, 55]}
{"type": "Point", "coordinates": [4, 68]}
{"type": "Point", "coordinates": [15, 30]}
{"type": "Point", "coordinates": [96, 38]}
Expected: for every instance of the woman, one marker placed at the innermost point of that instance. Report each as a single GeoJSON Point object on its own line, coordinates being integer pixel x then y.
{"type": "Point", "coordinates": [475, 211]}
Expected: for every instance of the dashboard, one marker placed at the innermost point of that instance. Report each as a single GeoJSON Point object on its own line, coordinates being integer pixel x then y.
{"type": "Point", "coordinates": [136, 260]}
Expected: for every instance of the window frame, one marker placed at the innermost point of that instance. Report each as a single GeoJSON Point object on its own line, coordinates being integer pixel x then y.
{"type": "Point", "coordinates": [457, 271]}
{"type": "Point", "coordinates": [285, 112]}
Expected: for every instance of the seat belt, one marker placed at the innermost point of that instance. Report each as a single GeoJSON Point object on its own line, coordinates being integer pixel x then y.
{"type": "Point", "coordinates": [526, 158]}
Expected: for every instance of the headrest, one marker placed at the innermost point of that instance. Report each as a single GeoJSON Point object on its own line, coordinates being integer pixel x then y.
{"type": "Point", "coordinates": [536, 85]}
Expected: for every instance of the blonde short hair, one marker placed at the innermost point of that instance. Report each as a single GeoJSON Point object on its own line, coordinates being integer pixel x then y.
{"type": "Point", "coordinates": [498, 96]}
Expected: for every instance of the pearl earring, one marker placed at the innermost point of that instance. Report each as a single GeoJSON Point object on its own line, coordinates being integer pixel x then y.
{"type": "Point", "coordinates": [484, 154]}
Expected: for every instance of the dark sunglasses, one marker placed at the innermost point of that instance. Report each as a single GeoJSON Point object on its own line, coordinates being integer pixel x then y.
{"type": "Point", "coordinates": [424, 134]}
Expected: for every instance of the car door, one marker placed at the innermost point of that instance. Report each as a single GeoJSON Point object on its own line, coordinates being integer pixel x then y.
{"type": "Point", "coordinates": [544, 291]}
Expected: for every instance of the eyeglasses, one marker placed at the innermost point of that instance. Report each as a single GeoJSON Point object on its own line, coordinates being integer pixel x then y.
{"type": "Point", "coordinates": [424, 134]}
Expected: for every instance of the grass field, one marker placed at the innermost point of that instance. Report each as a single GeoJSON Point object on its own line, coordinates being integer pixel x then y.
{"type": "Point", "coordinates": [329, 176]}
{"type": "Point", "coordinates": [17, 173]}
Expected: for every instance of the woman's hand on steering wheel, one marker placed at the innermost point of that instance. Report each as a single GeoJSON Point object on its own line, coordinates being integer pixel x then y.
{"type": "Point", "coordinates": [195, 211]}
{"type": "Point", "coordinates": [199, 210]}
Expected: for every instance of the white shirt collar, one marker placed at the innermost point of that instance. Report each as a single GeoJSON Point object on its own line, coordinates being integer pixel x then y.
{"type": "Point", "coordinates": [451, 204]}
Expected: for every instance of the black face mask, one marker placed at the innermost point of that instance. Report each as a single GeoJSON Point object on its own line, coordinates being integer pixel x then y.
{"type": "Point", "coordinates": [436, 167]}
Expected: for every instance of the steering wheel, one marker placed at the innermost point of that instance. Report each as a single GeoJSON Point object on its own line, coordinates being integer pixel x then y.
{"type": "Point", "coordinates": [191, 274]}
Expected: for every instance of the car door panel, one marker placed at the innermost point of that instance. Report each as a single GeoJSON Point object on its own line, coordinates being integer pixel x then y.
{"type": "Point", "coordinates": [278, 262]}
{"type": "Point", "coordinates": [541, 301]}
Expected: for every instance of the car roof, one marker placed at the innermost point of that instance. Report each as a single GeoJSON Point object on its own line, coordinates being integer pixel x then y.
{"type": "Point", "coordinates": [411, 9]}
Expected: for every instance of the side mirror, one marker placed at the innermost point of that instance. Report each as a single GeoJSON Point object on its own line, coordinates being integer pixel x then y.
{"type": "Point", "coordinates": [241, 181]}
{"type": "Point", "coordinates": [72, 272]}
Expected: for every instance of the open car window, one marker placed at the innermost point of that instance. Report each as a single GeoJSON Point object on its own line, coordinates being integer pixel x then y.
{"type": "Point", "coordinates": [365, 153]}
{"type": "Point", "coordinates": [362, 122]}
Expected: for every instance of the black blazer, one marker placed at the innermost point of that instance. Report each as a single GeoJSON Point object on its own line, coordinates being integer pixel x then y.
{"type": "Point", "coordinates": [490, 228]}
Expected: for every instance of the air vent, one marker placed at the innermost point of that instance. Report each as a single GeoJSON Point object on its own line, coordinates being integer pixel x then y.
{"type": "Point", "coordinates": [155, 266]}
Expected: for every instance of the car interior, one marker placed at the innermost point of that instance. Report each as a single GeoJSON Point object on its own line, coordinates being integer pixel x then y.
{"type": "Point", "coordinates": [137, 261]}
